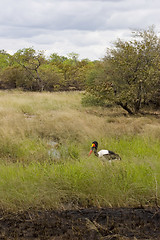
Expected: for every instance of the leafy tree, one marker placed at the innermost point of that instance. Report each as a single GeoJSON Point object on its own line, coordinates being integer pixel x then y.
{"type": "Point", "coordinates": [31, 61]}
{"type": "Point", "coordinates": [130, 76]}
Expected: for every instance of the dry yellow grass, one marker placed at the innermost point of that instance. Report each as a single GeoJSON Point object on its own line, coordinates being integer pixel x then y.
{"type": "Point", "coordinates": [61, 116]}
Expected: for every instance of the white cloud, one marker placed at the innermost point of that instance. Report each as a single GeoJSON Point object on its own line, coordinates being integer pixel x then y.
{"type": "Point", "coordinates": [83, 26]}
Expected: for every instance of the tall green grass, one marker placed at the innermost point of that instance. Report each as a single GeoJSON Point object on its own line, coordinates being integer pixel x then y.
{"type": "Point", "coordinates": [83, 182]}
{"type": "Point", "coordinates": [80, 184]}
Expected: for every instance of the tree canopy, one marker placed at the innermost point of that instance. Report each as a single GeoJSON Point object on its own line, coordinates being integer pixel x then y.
{"type": "Point", "coordinates": [130, 73]}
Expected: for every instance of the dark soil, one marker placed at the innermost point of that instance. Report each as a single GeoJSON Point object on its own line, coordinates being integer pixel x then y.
{"type": "Point", "coordinates": [87, 224]}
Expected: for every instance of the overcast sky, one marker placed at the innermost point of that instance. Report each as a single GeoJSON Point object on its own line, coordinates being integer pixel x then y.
{"type": "Point", "coordinates": [86, 27]}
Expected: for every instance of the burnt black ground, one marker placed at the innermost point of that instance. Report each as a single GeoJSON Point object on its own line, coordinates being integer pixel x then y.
{"type": "Point", "coordinates": [87, 224]}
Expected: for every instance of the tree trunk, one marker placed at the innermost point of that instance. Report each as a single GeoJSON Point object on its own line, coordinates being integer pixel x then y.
{"type": "Point", "coordinates": [137, 104]}
{"type": "Point", "coordinates": [125, 107]}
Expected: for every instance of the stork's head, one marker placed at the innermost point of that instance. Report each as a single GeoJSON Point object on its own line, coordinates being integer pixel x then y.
{"type": "Point", "coordinates": [93, 147]}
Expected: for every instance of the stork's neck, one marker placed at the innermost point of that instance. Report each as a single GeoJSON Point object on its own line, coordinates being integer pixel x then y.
{"type": "Point", "coordinates": [95, 152]}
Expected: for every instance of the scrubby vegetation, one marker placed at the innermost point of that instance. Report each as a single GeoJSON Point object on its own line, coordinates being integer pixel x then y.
{"type": "Point", "coordinates": [44, 145]}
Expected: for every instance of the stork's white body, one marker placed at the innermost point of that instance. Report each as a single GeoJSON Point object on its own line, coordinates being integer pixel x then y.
{"type": "Point", "coordinates": [107, 155]}
{"type": "Point", "coordinates": [102, 152]}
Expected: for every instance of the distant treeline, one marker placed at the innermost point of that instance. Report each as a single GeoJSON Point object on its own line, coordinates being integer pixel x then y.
{"type": "Point", "coordinates": [128, 76]}
{"type": "Point", "coordinates": [30, 70]}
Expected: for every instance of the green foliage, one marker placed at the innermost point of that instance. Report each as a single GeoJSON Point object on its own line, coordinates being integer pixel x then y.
{"type": "Point", "coordinates": [5, 59]}
{"type": "Point", "coordinates": [73, 70]}
{"type": "Point", "coordinates": [135, 70]}
{"type": "Point", "coordinates": [91, 100]}
{"type": "Point", "coordinates": [52, 77]}
{"type": "Point", "coordinates": [96, 87]}
{"type": "Point", "coordinates": [130, 74]}
{"type": "Point", "coordinates": [30, 61]}
{"type": "Point", "coordinates": [30, 70]}
{"type": "Point", "coordinates": [14, 77]}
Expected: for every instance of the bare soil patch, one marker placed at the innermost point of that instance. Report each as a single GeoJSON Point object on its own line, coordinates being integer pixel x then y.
{"type": "Point", "coordinates": [87, 224]}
